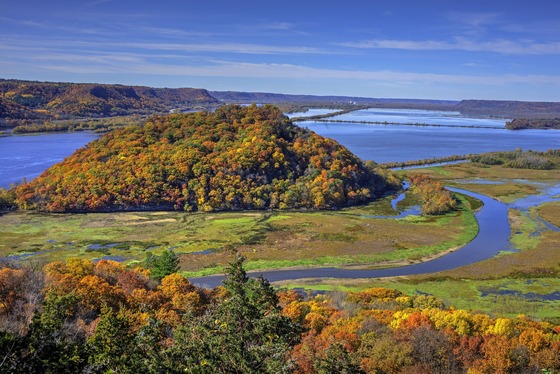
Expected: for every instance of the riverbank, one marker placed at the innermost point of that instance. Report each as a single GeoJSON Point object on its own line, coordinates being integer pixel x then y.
{"type": "Point", "coordinates": [492, 238]}
{"type": "Point", "coordinates": [268, 239]}
{"type": "Point", "coordinates": [523, 280]}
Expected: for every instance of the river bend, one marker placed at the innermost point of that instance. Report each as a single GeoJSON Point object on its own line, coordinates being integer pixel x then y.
{"type": "Point", "coordinates": [493, 237]}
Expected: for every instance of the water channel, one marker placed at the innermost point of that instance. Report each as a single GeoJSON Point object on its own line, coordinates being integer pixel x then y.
{"type": "Point", "coordinates": [493, 237]}
{"type": "Point", "coordinates": [27, 156]}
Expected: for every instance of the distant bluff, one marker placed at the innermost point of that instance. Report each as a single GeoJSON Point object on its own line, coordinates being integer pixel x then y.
{"type": "Point", "coordinates": [27, 100]}
{"type": "Point", "coordinates": [236, 158]}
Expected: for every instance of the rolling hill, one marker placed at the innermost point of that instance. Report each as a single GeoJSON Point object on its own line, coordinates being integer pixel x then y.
{"type": "Point", "coordinates": [236, 158]}
{"type": "Point", "coordinates": [26, 100]}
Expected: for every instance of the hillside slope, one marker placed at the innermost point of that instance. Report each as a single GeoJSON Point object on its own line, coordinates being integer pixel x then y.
{"type": "Point", "coordinates": [236, 158]}
{"type": "Point", "coordinates": [36, 100]}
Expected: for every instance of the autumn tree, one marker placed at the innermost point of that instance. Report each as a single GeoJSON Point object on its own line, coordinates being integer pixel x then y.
{"type": "Point", "coordinates": [435, 198]}
{"type": "Point", "coordinates": [233, 159]}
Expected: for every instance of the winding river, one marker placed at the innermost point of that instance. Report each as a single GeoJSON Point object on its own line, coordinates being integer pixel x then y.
{"type": "Point", "coordinates": [493, 237]}
{"type": "Point", "coordinates": [28, 156]}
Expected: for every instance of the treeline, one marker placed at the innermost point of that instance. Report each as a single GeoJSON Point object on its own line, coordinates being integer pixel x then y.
{"type": "Point", "coordinates": [509, 109]}
{"type": "Point", "coordinates": [435, 198]}
{"type": "Point", "coordinates": [236, 158]}
{"type": "Point", "coordinates": [81, 317]}
{"type": "Point", "coordinates": [96, 125]}
{"type": "Point", "coordinates": [426, 161]}
{"type": "Point", "coordinates": [533, 123]}
{"type": "Point", "coordinates": [327, 115]}
{"type": "Point", "coordinates": [516, 159]}
{"type": "Point", "coordinates": [520, 159]}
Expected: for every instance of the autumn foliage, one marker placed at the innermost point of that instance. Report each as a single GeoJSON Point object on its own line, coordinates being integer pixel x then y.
{"type": "Point", "coordinates": [24, 102]}
{"type": "Point", "coordinates": [435, 198]}
{"type": "Point", "coordinates": [77, 316]}
{"type": "Point", "coordinates": [236, 158]}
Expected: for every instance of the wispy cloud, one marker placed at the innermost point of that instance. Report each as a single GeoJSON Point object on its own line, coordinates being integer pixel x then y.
{"type": "Point", "coordinates": [272, 28]}
{"type": "Point", "coordinates": [473, 24]}
{"type": "Point", "coordinates": [276, 26]}
{"type": "Point", "coordinates": [173, 32]}
{"type": "Point", "coordinates": [236, 48]}
{"type": "Point", "coordinates": [524, 47]}
{"type": "Point", "coordinates": [62, 27]}
{"type": "Point", "coordinates": [241, 48]}
{"type": "Point", "coordinates": [227, 69]}
{"type": "Point", "coordinates": [81, 57]}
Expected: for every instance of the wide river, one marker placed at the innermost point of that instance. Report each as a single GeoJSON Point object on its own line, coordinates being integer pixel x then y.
{"type": "Point", "coordinates": [405, 142]}
{"type": "Point", "coordinates": [27, 156]}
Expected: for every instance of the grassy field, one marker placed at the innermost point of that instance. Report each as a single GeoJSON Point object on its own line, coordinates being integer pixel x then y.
{"type": "Point", "coordinates": [349, 237]}
{"type": "Point", "coordinates": [509, 284]}
{"type": "Point", "coordinates": [550, 212]}
{"type": "Point", "coordinates": [510, 184]}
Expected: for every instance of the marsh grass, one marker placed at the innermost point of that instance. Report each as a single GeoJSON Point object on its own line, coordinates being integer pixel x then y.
{"type": "Point", "coordinates": [523, 225]}
{"type": "Point", "coordinates": [267, 239]}
{"type": "Point", "coordinates": [505, 280]}
{"type": "Point", "coordinates": [550, 212]}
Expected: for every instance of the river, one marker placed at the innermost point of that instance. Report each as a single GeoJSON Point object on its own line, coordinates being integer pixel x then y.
{"type": "Point", "coordinates": [27, 156]}
{"type": "Point", "coordinates": [398, 143]}
{"type": "Point", "coordinates": [493, 237]}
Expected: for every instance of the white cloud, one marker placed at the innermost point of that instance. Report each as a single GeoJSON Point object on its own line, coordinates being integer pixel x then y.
{"type": "Point", "coordinates": [241, 48]}
{"type": "Point", "coordinates": [226, 69]}
{"type": "Point", "coordinates": [522, 47]}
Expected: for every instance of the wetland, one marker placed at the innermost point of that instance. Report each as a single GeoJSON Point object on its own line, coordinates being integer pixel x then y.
{"type": "Point", "coordinates": [386, 233]}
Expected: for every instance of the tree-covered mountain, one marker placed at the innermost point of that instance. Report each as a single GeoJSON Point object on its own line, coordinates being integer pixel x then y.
{"type": "Point", "coordinates": [233, 159]}
{"type": "Point", "coordinates": [26, 100]}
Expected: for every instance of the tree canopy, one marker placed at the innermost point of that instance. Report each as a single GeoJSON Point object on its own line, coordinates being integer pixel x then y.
{"type": "Point", "coordinates": [233, 159]}
{"type": "Point", "coordinates": [81, 317]}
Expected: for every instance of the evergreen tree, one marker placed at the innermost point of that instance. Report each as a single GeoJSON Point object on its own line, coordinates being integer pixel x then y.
{"type": "Point", "coordinates": [162, 266]}
{"type": "Point", "coordinates": [245, 333]}
{"type": "Point", "coordinates": [55, 344]}
{"type": "Point", "coordinates": [112, 345]}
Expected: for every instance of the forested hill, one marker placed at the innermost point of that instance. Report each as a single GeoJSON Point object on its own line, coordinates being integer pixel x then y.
{"type": "Point", "coordinates": [511, 109]}
{"type": "Point", "coordinates": [21, 100]}
{"type": "Point", "coordinates": [233, 159]}
{"type": "Point", "coordinates": [236, 97]}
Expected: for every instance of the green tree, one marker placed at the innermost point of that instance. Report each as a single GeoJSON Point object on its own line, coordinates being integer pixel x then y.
{"type": "Point", "coordinates": [55, 344]}
{"type": "Point", "coordinates": [244, 333]}
{"type": "Point", "coordinates": [112, 345]}
{"type": "Point", "coordinates": [162, 266]}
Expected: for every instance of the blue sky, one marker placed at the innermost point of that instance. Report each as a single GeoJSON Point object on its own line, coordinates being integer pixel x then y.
{"type": "Point", "coordinates": [426, 49]}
